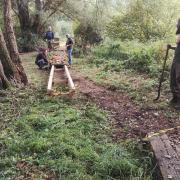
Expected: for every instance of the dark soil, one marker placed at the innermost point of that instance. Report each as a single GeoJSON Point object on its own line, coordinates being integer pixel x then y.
{"type": "Point", "coordinates": [129, 119]}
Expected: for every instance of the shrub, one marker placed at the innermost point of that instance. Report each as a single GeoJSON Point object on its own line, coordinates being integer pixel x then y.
{"type": "Point", "coordinates": [144, 58]}
{"type": "Point", "coordinates": [77, 52]}
{"type": "Point", "coordinates": [85, 34]}
{"type": "Point", "coordinates": [143, 20]}
{"type": "Point", "coordinates": [27, 45]}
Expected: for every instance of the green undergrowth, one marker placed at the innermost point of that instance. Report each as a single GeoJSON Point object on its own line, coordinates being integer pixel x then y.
{"type": "Point", "coordinates": [68, 138]}
{"type": "Point", "coordinates": [140, 87]}
{"type": "Point", "coordinates": [140, 57]}
{"type": "Point", "coordinates": [130, 66]}
{"type": "Point", "coordinates": [26, 44]}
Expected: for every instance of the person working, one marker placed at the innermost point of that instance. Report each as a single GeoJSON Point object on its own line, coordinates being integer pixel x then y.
{"type": "Point", "coordinates": [175, 69]}
{"type": "Point", "coordinates": [69, 47]}
{"type": "Point", "coordinates": [49, 36]}
{"type": "Point", "coordinates": [41, 59]}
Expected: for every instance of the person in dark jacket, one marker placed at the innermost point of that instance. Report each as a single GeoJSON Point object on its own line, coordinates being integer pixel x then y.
{"type": "Point", "coordinates": [175, 69]}
{"type": "Point", "coordinates": [41, 59]}
{"type": "Point", "coordinates": [69, 47]}
{"type": "Point", "coordinates": [49, 36]}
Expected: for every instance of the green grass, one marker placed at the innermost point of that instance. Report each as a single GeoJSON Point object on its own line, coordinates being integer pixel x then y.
{"type": "Point", "coordinates": [67, 138]}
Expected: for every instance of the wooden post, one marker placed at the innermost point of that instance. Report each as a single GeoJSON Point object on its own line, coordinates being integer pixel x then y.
{"type": "Point", "coordinates": [49, 88]}
{"type": "Point", "coordinates": [70, 81]}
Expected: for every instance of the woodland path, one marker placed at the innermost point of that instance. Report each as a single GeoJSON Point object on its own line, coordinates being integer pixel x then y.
{"type": "Point", "coordinates": [129, 119]}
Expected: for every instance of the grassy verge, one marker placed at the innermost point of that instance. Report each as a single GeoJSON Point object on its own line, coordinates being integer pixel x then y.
{"type": "Point", "coordinates": [70, 139]}
{"type": "Point", "coordinates": [131, 67]}
{"type": "Point", "coordinates": [62, 138]}
{"type": "Point", "coordinates": [140, 87]}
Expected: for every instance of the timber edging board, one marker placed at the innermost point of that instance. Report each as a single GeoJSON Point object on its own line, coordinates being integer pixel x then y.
{"type": "Point", "coordinates": [50, 81]}
{"type": "Point", "coordinates": [167, 158]}
{"type": "Point", "coordinates": [70, 81]}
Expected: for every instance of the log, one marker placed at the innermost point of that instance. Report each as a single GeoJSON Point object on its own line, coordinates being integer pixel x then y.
{"type": "Point", "coordinates": [50, 82]}
{"type": "Point", "coordinates": [70, 81]}
{"type": "Point", "coordinates": [167, 158]}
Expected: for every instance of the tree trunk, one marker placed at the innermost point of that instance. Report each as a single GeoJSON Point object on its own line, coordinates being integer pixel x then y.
{"type": "Point", "coordinates": [39, 5]}
{"type": "Point", "coordinates": [4, 83]}
{"type": "Point", "coordinates": [38, 17]}
{"type": "Point", "coordinates": [13, 50]}
{"type": "Point", "coordinates": [24, 17]}
{"type": "Point", "coordinates": [9, 68]}
{"type": "Point", "coordinates": [29, 24]}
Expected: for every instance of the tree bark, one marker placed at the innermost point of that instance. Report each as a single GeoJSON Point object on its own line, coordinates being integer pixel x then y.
{"type": "Point", "coordinates": [23, 15]}
{"type": "Point", "coordinates": [38, 16]}
{"type": "Point", "coordinates": [8, 66]}
{"type": "Point", "coordinates": [4, 83]}
{"type": "Point", "coordinates": [13, 50]}
{"type": "Point", "coordinates": [39, 5]}
{"type": "Point", "coordinates": [29, 24]}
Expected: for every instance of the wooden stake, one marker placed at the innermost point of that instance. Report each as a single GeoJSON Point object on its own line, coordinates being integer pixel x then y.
{"type": "Point", "coordinates": [70, 81]}
{"type": "Point", "coordinates": [49, 87]}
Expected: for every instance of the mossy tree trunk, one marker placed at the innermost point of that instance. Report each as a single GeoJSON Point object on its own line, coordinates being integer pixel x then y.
{"type": "Point", "coordinates": [11, 40]}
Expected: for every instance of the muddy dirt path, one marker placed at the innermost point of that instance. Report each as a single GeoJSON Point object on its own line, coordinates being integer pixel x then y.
{"type": "Point", "coordinates": [129, 119]}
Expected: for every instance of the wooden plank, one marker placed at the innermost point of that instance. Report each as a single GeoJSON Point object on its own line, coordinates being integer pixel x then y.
{"type": "Point", "coordinates": [50, 81]}
{"type": "Point", "coordinates": [166, 156]}
{"type": "Point", "coordinates": [70, 81]}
